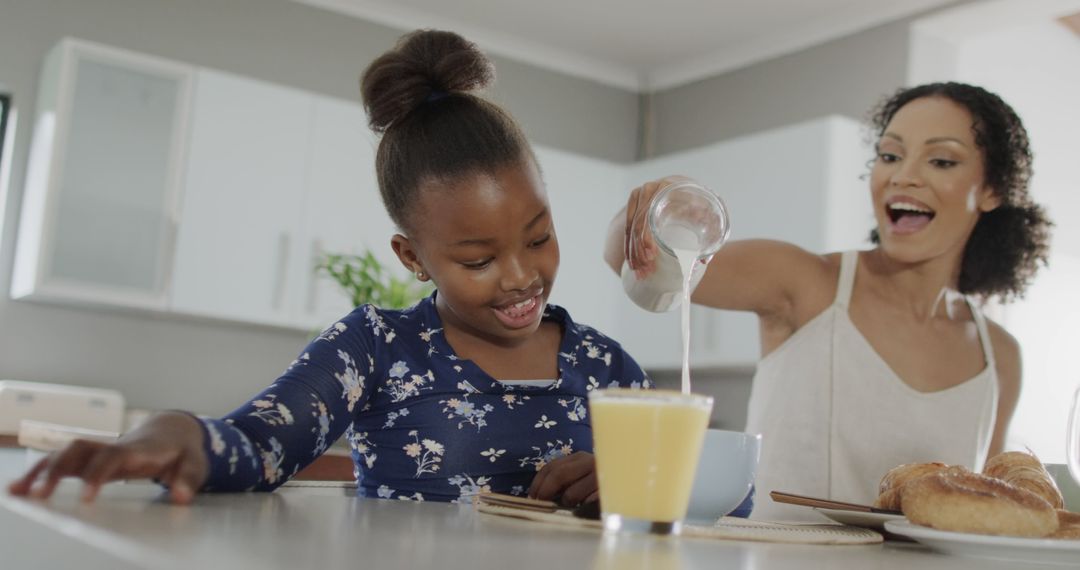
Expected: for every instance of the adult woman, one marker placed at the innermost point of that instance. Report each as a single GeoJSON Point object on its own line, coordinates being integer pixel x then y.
{"type": "Point", "coordinates": [881, 357]}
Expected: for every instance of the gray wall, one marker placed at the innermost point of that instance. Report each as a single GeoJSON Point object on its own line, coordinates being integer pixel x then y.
{"type": "Point", "coordinates": [159, 361]}
{"type": "Point", "coordinates": [846, 76]}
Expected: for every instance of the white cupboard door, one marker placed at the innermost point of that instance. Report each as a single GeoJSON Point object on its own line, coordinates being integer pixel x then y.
{"type": "Point", "coordinates": [238, 252]}
{"type": "Point", "coordinates": [343, 210]}
{"type": "Point", "coordinates": [584, 194]}
{"type": "Point", "coordinates": [98, 215]}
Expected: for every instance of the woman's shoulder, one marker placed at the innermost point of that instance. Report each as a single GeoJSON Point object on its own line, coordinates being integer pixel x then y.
{"type": "Point", "coordinates": [812, 278]}
{"type": "Point", "coordinates": [1008, 368]}
{"type": "Point", "coordinates": [770, 277]}
{"type": "Point", "coordinates": [1001, 338]}
{"type": "Point", "coordinates": [1006, 353]}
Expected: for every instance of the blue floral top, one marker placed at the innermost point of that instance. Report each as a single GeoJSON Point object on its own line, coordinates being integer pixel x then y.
{"type": "Point", "coordinates": [422, 423]}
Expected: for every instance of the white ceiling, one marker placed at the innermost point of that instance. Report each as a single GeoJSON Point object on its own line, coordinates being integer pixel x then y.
{"type": "Point", "coordinates": [637, 44]}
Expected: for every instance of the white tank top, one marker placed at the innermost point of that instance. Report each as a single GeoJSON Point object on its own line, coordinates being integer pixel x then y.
{"type": "Point", "coordinates": [834, 417]}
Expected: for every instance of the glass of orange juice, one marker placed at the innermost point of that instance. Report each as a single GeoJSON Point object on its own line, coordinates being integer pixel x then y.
{"type": "Point", "coordinates": [647, 444]}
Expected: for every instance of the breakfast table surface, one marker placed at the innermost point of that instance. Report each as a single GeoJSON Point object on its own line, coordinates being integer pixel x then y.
{"type": "Point", "coordinates": [131, 525]}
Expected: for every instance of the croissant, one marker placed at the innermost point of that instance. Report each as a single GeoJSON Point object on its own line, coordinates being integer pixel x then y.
{"type": "Point", "coordinates": [959, 500]}
{"type": "Point", "coordinates": [892, 484]}
{"type": "Point", "coordinates": [1068, 525]}
{"type": "Point", "coordinates": [1024, 470]}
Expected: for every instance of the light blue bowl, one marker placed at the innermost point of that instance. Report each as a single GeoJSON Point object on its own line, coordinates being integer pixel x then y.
{"type": "Point", "coordinates": [725, 473]}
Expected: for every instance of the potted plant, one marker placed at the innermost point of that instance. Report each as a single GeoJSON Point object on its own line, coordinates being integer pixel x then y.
{"type": "Point", "coordinates": [366, 280]}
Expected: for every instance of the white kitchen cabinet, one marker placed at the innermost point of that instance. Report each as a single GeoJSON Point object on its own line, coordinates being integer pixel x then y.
{"type": "Point", "coordinates": [158, 185]}
{"type": "Point", "coordinates": [98, 217]}
{"type": "Point", "coordinates": [584, 194]}
{"type": "Point", "coordinates": [276, 178]}
{"type": "Point", "coordinates": [240, 250]}
{"type": "Point", "coordinates": [343, 212]}
{"type": "Point", "coordinates": [800, 184]}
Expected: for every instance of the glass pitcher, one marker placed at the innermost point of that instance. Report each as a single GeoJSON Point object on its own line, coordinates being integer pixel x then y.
{"type": "Point", "coordinates": [683, 217]}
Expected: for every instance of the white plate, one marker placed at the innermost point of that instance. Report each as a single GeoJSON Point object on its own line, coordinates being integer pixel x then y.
{"type": "Point", "coordinates": [1040, 550]}
{"type": "Point", "coordinates": [875, 521]}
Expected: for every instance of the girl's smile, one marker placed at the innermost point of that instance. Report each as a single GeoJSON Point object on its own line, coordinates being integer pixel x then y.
{"type": "Point", "coordinates": [521, 314]}
{"type": "Point", "coordinates": [487, 241]}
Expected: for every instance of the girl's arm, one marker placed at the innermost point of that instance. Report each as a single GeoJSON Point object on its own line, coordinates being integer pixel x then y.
{"type": "Point", "coordinates": [257, 447]}
{"type": "Point", "coordinates": [167, 447]}
{"type": "Point", "coordinates": [263, 443]}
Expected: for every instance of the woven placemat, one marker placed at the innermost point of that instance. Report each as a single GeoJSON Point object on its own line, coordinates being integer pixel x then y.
{"type": "Point", "coordinates": [727, 528]}
{"type": "Point", "coordinates": [734, 528]}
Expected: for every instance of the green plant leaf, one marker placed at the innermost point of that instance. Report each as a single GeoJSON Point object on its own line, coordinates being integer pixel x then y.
{"type": "Point", "coordinates": [365, 280]}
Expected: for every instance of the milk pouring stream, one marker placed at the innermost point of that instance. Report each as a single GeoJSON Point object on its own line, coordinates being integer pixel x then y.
{"type": "Point", "coordinates": [687, 259]}
{"type": "Point", "coordinates": [689, 224]}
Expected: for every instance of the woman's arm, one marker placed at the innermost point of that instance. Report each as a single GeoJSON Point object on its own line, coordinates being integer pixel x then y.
{"type": "Point", "coordinates": [770, 278]}
{"type": "Point", "coordinates": [1007, 352]}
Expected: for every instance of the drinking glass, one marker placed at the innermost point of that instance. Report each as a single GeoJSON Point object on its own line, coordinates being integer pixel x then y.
{"type": "Point", "coordinates": [647, 444]}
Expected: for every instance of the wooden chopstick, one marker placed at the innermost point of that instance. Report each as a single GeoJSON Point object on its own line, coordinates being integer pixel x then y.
{"type": "Point", "coordinates": [518, 502]}
{"type": "Point", "coordinates": [791, 498]}
{"type": "Point", "coordinates": [583, 511]}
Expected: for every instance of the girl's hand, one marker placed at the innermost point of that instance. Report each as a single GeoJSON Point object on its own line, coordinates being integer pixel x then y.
{"type": "Point", "coordinates": [571, 479]}
{"type": "Point", "coordinates": [639, 249]}
{"type": "Point", "coordinates": [168, 448]}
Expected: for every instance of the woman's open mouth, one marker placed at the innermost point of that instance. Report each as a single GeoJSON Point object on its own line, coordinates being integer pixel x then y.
{"type": "Point", "coordinates": [522, 313]}
{"type": "Point", "coordinates": [907, 216]}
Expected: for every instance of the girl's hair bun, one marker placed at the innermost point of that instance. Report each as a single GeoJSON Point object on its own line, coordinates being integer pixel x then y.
{"type": "Point", "coordinates": [424, 67]}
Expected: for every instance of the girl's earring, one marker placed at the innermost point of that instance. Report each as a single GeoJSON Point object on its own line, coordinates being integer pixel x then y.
{"type": "Point", "coordinates": [420, 275]}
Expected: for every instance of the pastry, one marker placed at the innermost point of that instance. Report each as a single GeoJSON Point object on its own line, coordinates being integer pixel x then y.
{"type": "Point", "coordinates": [958, 500]}
{"type": "Point", "coordinates": [1025, 471]}
{"type": "Point", "coordinates": [892, 484]}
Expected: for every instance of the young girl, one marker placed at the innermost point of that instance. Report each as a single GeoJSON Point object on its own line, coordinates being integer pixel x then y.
{"type": "Point", "coordinates": [882, 357]}
{"type": "Point", "coordinates": [482, 386]}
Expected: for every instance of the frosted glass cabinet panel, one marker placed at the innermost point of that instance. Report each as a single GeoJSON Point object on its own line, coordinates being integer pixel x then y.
{"type": "Point", "coordinates": [110, 224]}
{"type": "Point", "coordinates": [98, 221]}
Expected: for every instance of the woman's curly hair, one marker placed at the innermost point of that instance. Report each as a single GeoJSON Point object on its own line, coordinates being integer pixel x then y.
{"type": "Point", "coordinates": [1009, 242]}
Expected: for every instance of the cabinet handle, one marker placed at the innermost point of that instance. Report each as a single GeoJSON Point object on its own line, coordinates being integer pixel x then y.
{"type": "Point", "coordinates": [167, 264]}
{"type": "Point", "coordinates": [282, 270]}
{"type": "Point", "coordinates": [313, 276]}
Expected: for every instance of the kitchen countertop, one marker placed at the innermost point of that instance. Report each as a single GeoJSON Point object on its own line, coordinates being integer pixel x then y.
{"type": "Point", "coordinates": [132, 526]}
